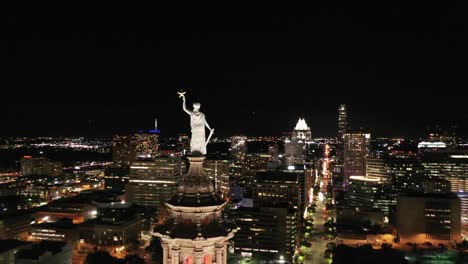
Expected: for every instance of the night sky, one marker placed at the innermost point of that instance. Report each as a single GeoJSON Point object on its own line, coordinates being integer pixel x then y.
{"type": "Point", "coordinates": [99, 74]}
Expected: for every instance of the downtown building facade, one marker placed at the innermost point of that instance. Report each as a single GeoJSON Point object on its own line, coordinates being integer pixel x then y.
{"type": "Point", "coordinates": [218, 170]}
{"type": "Point", "coordinates": [153, 182]}
{"type": "Point", "coordinates": [295, 146]}
{"type": "Point", "coordinates": [40, 166]}
{"type": "Point", "coordinates": [269, 221]}
{"type": "Point", "coordinates": [267, 232]}
{"type": "Point", "coordinates": [429, 217]}
{"type": "Point", "coordinates": [356, 150]}
{"type": "Point", "coordinates": [128, 148]}
{"type": "Point", "coordinates": [342, 122]}
{"type": "Point", "coordinates": [370, 193]}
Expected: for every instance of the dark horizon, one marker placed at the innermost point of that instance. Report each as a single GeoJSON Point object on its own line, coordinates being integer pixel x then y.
{"type": "Point", "coordinates": [397, 72]}
{"type": "Point", "coordinates": [106, 120]}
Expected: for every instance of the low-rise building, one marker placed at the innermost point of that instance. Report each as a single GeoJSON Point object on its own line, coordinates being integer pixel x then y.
{"type": "Point", "coordinates": [433, 217]}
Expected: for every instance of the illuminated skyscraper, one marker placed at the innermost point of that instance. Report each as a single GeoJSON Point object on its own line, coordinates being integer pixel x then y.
{"type": "Point", "coordinates": [40, 166]}
{"type": "Point", "coordinates": [121, 150]}
{"type": "Point", "coordinates": [183, 144]}
{"type": "Point", "coordinates": [368, 193]}
{"type": "Point", "coordinates": [153, 182]}
{"type": "Point", "coordinates": [342, 121]}
{"type": "Point", "coordinates": [406, 172]}
{"type": "Point", "coordinates": [356, 149]}
{"type": "Point", "coordinates": [145, 144]}
{"type": "Point", "coordinates": [451, 166]}
{"type": "Point", "coordinates": [294, 147]}
{"type": "Point", "coordinates": [267, 233]}
{"type": "Point", "coordinates": [238, 148]}
{"type": "Point", "coordinates": [217, 169]}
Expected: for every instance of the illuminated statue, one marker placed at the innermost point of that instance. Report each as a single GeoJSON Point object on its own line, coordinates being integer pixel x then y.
{"type": "Point", "coordinates": [197, 122]}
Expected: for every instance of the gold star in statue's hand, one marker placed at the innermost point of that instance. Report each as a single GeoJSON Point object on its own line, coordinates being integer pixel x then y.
{"type": "Point", "coordinates": [181, 94]}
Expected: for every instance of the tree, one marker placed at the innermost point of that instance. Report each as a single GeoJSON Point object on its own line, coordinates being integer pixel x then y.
{"type": "Point", "coordinates": [134, 259]}
{"type": "Point", "coordinates": [331, 246]}
{"type": "Point", "coordinates": [155, 249]}
{"type": "Point", "coordinates": [386, 246]}
{"type": "Point", "coordinates": [442, 247]}
{"type": "Point", "coordinates": [366, 247]}
{"type": "Point", "coordinates": [463, 245]}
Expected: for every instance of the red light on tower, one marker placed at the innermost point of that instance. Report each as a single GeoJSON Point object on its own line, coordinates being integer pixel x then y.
{"type": "Point", "coordinates": [27, 157]}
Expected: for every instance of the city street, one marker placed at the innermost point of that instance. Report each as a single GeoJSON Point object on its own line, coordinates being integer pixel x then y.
{"type": "Point", "coordinates": [318, 239]}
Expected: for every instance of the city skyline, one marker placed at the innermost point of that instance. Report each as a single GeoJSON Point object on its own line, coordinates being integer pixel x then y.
{"type": "Point", "coordinates": [331, 135]}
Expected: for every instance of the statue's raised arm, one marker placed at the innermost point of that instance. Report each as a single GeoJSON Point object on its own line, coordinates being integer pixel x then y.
{"type": "Point", "coordinates": [184, 106]}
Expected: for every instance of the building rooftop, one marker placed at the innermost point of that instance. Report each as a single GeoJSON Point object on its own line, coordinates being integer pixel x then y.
{"type": "Point", "coordinates": [301, 125]}
{"type": "Point", "coordinates": [365, 178]}
{"type": "Point", "coordinates": [430, 195]}
{"type": "Point", "coordinates": [280, 176]}
{"type": "Point", "coordinates": [99, 222]}
{"type": "Point", "coordinates": [192, 231]}
{"type": "Point", "coordinates": [63, 223]}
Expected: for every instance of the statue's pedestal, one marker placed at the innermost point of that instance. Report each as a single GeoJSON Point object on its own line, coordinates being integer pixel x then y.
{"type": "Point", "coordinates": [196, 166]}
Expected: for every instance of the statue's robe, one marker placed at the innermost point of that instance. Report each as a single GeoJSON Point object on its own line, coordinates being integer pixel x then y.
{"type": "Point", "coordinates": [198, 141]}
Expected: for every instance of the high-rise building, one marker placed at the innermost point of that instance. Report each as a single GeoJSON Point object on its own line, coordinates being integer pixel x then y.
{"type": "Point", "coordinates": [183, 144]}
{"type": "Point", "coordinates": [142, 145]}
{"type": "Point", "coordinates": [356, 149]}
{"type": "Point", "coordinates": [153, 182]}
{"type": "Point", "coordinates": [194, 231]}
{"type": "Point", "coordinates": [406, 172]}
{"type": "Point", "coordinates": [122, 150]}
{"type": "Point", "coordinates": [370, 193]}
{"type": "Point", "coordinates": [145, 144]}
{"type": "Point", "coordinates": [436, 185]}
{"type": "Point", "coordinates": [217, 169]}
{"type": "Point", "coordinates": [342, 121]}
{"type": "Point", "coordinates": [256, 162]}
{"type": "Point", "coordinates": [40, 166]}
{"type": "Point", "coordinates": [116, 178]}
{"type": "Point", "coordinates": [294, 147]}
{"type": "Point", "coordinates": [239, 148]}
{"type": "Point", "coordinates": [452, 166]}
{"type": "Point", "coordinates": [431, 218]}
{"type": "Point", "coordinates": [266, 233]}
{"type": "Point", "coordinates": [271, 188]}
